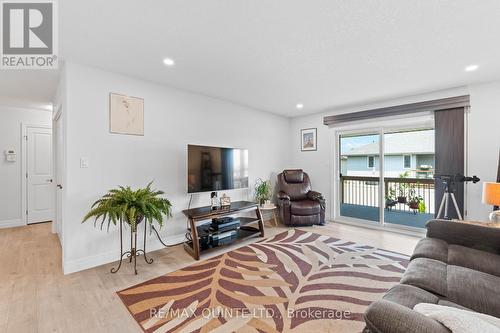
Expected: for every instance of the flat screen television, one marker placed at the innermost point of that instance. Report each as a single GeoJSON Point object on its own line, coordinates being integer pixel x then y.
{"type": "Point", "coordinates": [216, 168]}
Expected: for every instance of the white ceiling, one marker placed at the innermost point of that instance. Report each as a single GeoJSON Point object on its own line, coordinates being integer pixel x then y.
{"type": "Point", "coordinates": [271, 55]}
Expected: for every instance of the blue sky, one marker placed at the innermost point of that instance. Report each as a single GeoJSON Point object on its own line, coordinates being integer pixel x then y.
{"type": "Point", "coordinates": [349, 143]}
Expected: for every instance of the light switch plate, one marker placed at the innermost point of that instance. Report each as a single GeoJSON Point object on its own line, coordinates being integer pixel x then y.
{"type": "Point", "coordinates": [84, 162]}
{"type": "Point", "coordinates": [10, 155]}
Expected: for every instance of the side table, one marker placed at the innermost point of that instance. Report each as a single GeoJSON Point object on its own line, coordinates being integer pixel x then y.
{"type": "Point", "coordinates": [272, 209]}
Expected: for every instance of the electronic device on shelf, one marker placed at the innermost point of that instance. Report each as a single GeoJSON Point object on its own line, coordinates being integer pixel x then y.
{"type": "Point", "coordinates": [221, 227]}
{"type": "Point", "coordinates": [222, 220]}
{"type": "Point", "coordinates": [221, 231]}
{"type": "Point", "coordinates": [223, 238]}
{"type": "Point", "coordinates": [205, 242]}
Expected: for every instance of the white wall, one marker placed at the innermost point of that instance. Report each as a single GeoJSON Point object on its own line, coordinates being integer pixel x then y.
{"type": "Point", "coordinates": [483, 145]}
{"type": "Point", "coordinates": [173, 118]}
{"type": "Point", "coordinates": [11, 119]}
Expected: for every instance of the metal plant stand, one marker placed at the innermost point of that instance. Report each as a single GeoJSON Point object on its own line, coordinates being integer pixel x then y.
{"type": "Point", "coordinates": [134, 252]}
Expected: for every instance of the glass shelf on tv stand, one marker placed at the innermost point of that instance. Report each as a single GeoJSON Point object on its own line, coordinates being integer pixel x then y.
{"type": "Point", "coordinates": [245, 222]}
{"type": "Point", "coordinates": [241, 234]}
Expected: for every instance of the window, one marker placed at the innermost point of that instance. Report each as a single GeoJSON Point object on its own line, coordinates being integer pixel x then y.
{"type": "Point", "coordinates": [407, 161]}
{"type": "Point", "coordinates": [371, 161]}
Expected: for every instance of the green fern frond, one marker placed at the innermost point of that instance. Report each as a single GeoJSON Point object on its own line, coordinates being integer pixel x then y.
{"type": "Point", "coordinates": [130, 206]}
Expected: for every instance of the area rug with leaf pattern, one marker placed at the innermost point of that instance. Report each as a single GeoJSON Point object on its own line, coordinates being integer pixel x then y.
{"type": "Point", "coordinates": [296, 281]}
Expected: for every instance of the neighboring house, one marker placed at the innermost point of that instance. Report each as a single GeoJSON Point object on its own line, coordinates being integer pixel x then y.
{"type": "Point", "coordinates": [411, 152]}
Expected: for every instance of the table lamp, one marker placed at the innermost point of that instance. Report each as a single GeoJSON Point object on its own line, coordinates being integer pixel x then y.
{"type": "Point", "coordinates": [491, 196]}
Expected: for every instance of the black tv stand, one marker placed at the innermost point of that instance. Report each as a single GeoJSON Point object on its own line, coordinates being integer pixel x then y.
{"type": "Point", "coordinates": [250, 226]}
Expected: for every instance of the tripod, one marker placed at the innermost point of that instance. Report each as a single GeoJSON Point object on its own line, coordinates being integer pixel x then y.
{"type": "Point", "coordinates": [449, 192]}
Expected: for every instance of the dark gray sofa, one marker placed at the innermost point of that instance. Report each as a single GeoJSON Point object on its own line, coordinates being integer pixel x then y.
{"type": "Point", "coordinates": [456, 265]}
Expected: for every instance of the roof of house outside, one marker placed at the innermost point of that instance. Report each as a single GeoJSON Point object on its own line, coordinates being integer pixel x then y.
{"type": "Point", "coordinates": [417, 142]}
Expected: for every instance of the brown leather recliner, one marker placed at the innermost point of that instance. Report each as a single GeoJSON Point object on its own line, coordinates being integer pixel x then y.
{"type": "Point", "coordinates": [298, 204]}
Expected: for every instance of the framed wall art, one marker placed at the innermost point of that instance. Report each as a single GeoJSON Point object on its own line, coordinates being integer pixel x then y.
{"type": "Point", "coordinates": [308, 138]}
{"type": "Point", "coordinates": [126, 114]}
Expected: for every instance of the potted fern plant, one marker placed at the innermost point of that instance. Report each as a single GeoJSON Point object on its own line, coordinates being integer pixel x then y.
{"type": "Point", "coordinates": [132, 207]}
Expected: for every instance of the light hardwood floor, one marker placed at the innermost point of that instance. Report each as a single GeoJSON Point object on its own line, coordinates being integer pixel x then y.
{"type": "Point", "coordinates": [36, 297]}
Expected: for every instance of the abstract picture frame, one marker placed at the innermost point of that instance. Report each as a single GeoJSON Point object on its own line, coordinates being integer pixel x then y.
{"type": "Point", "coordinates": [126, 114]}
{"type": "Point", "coordinates": [225, 200]}
{"type": "Point", "coordinates": [308, 139]}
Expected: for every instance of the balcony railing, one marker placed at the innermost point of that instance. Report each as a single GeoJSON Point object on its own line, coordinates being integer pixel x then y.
{"type": "Point", "coordinates": [364, 191]}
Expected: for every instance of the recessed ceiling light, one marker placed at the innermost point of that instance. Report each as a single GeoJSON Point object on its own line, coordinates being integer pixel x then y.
{"type": "Point", "coordinates": [168, 62]}
{"type": "Point", "coordinates": [471, 68]}
{"type": "Point", "coordinates": [299, 106]}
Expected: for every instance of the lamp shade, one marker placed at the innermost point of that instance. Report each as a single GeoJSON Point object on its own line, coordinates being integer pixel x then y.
{"type": "Point", "coordinates": [491, 194]}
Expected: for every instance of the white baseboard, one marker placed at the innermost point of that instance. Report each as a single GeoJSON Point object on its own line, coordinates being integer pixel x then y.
{"type": "Point", "coordinates": [11, 223]}
{"type": "Point", "coordinates": [76, 265]}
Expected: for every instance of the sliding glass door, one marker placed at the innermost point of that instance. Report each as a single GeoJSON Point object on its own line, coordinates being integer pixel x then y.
{"type": "Point", "coordinates": [386, 176]}
{"type": "Point", "coordinates": [409, 177]}
{"type": "Point", "coordinates": [359, 185]}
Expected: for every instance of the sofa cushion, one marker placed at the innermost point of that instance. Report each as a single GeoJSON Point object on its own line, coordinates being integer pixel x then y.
{"type": "Point", "coordinates": [460, 321]}
{"type": "Point", "coordinates": [476, 236]}
{"type": "Point", "coordinates": [305, 207]}
{"type": "Point", "coordinates": [427, 274]}
{"type": "Point", "coordinates": [478, 260]}
{"type": "Point", "coordinates": [475, 290]}
{"type": "Point", "coordinates": [451, 304]}
{"type": "Point", "coordinates": [409, 296]}
{"type": "Point", "coordinates": [389, 317]}
{"type": "Point", "coordinates": [431, 248]}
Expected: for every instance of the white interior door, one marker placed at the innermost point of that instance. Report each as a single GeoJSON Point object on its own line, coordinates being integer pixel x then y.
{"type": "Point", "coordinates": [58, 132]}
{"type": "Point", "coordinates": [39, 182]}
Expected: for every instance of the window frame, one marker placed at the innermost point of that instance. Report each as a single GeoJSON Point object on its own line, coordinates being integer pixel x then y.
{"type": "Point", "coordinates": [404, 161]}
{"type": "Point", "coordinates": [368, 161]}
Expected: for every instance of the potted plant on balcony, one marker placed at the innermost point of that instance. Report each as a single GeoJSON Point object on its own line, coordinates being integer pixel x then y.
{"type": "Point", "coordinates": [415, 202]}
{"type": "Point", "coordinates": [403, 188]}
{"type": "Point", "coordinates": [132, 207]}
{"type": "Point", "coordinates": [421, 206]}
{"type": "Point", "coordinates": [263, 191]}
{"type": "Point", "coordinates": [390, 198]}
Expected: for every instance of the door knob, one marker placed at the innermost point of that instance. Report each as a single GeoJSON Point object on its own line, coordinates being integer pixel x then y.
{"type": "Point", "coordinates": [49, 180]}
{"type": "Point", "coordinates": [60, 186]}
